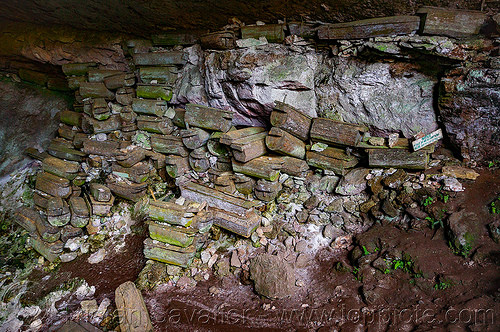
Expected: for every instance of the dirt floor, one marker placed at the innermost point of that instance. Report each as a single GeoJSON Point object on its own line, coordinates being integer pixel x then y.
{"type": "Point", "coordinates": [390, 279]}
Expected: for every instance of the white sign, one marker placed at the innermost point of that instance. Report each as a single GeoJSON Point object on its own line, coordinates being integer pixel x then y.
{"type": "Point", "coordinates": [427, 139]}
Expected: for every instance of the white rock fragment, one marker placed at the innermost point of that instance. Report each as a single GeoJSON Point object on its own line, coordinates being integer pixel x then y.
{"type": "Point", "coordinates": [97, 257]}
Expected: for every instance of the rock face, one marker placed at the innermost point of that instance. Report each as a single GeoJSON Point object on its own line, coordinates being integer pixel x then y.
{"type": "Point", "coordinates": [468, 102]}
{"type": "Point", "coordinates": [248, 81]}
{"type": "Point", "coordinates": [273, 277]}
{"type": "Point", "coordinates": [371, 94]}
{"type": "Point", "coordinates": [28, 118]}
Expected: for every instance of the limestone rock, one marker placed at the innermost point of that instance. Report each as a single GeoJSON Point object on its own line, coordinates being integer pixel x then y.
{"type": "Point", "coordinates": [353, 183]}
{"type": "Point", "coordinates": [273, 277]}
{"type": "Point", "coordinates": [463, 230]}
{"type": "Point", "coordinates": [460, 172]}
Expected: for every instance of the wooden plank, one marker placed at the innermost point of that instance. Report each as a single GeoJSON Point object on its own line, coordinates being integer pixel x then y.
{"type": "Point", "coordinates": [264, 167]}
{"type": "Point", "coordinates": [332, 159]}
{"type": "Point", "coordinates": [304, 30]}
{"type": "Point", "coordinates": [165, 58]}
{"type": "Point", "coordinates": [208, 117]}
{"type": "Point", "coordinates": [169, 234]}
{"type": "Point", "coordinates": [373, 27]}
{"type": "Point", "coordinates": [33, 76]}
{"type": "Point", "coordinates": [243, 226]}
{"type": "Point", "coordinates": [149, 106]}
{"type": "Point", "coordinates": [154, 91]}
{"type": "Point", "coordinates": [336, 132]}
{"type": "Point", "coordinates": [451, 22]}
{"type": "Point", "coordinates": [168, 144]}
{"type": "Point", "coordinates": [250, 147]}
{"type": "Point", "coordinates": [274, 33]}
{"type": "Point", "coordinates": [280, 141]}
{"type": "Point", "coordinates": [229, 137]}
{"type": "Point", "coordinates": [65, 150]}
{"type": "Point", "coordinates": [98, 75]}
{"type": "Point", "coordinates": [71, 118]}
{"type": "Point", "coordinates": [291, 120]}
{"type": "Point", "coordinates": [398, 158]}
{"type": "Point", "coordinates": [220, 40]}
{"type": "Point", "coordinates": [169, 254]}
{"type": "Point", "coordinates": [159, 75]}
{"type": "Point", "coordinates": [132, 312]}
{"type": "Point", "coordinates": [217, 199]}
{"type": "Point", "coordinates": [154, 124]}
{"type": "Point", "coordinates": [95, 90]}
{"type": "Point", "coordinates": [101, 148]}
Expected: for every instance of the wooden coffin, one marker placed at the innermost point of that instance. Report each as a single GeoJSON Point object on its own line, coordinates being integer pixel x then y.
{"type": "Point", "coordinates": [336, 132]}
{"type": "Point", "coordinates": [267, 191]}
{"type": "Point", "coordinates": [109, 125]}
{"type": "Point", "coordinates": [280, 141]}
{"type": "Point", "coordinates": [198, 159]}
{"type": "Point", "coordinates": [53, 185]}
{"type": "Point", "coordinates": [149, 106]}
{"type": "Point", "coordinates": [95, 90]}
{"type": "Point", "coordinates": [126, 189]}
{"type": "Point", "coordinates": [154, 124]}
{"type": "Point", "coordinates": [220, 40]}
{"type": "Point", "coordinates": [98, 75]}
{"type": "Point", "coordinates": [169, 254]}
{"type": "Point", "coordinates": [233, 135]}
{"type": "Point", "coordinates": [80, 215]}
{"type": "Point", "coordinates": [132, 312]}
{"type": "Point", "coordinates": [154, 91]}
{"type": "Point", "coordinates": [62, 168]}
{"type": "Point", "coordinates": [164, 58]}
{"type": "Point", "coordinates": [235, 223]}
{"type": "Point", "coordinates": [176, 38]}
{"type": "Point", "coordinates": [177, 236]}
{"type": "Point", "coordinates": [291, 120]}
{"type": "Point", "coordinates": [78, 69]}
{"type": "Point", "coordinates": [194, 138]}
{"type": "Point", "coordinates": [71, 118]}
{"type": "Point", "coordinates": [100, 192]}
{"type": "Point", "coordinates": [125, 96]}
{"type": "Point", "coordinates": [373, 27]}
{"type": "Point", "coordinates": [332, 159]}
{"type": "Point", "coordinates": [159, 75]}
{"type": "Point", "coordinates": [208, 117]}
{"type": "Point", "coordinates": [177, 165]}
{"type": "Point", "coordinates": [64, 150]}
{"type": "Point", "coordinates": [263, 167]}
{"type": "Point", "coordinates": [398, 158]}
{"type": "Point", "coordinates": [250, 147]}
{"type": "Point", "coordinates": [138, 173]}
{"type": "Point", "coordinates": [104, 148]}
{"type": "Point", "coordinates": [119, 81]}
{"type": "Point", "coordinates": [274, 33]}
{"type": "Point", "coordinates": [179, 118]}
{"type": "Point", "coordinates": [168, 144]}
{"type": "Point", "coordinates": [293, 166]}
{"type": "Point", "coordinates": [451, 22]}
{"type": "Point", "coordinates": [100, 109]}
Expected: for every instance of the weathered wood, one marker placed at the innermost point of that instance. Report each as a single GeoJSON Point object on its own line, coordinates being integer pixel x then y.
{"type": "Point", "coordinates": [149, 106]}
{"type": "Point", "coordinates": [138, 173]}
{"type": "Point", "coordinates": [53, 185]}
{"type": "Point", "coordinates": [225, 183]}
{"type": "Point", "coordinates": [294, 167]}
{"type": "Point", "coordinates": [177, 165]}
{"type": "Point", "coordinates": [35, 154]}
{"type": "Point", "coordinates": [280, 141]}
{"type": "Point", "coordinates": [223, 164]}
{"type": "Point", "coordinates": [153, 124]}
{"type": "Point", "coordinates": [100, 192]}
{"type": "Point", "coordinates": [50, 251]}
{"type": "Point", "coordinates": [58, 213]}
{"type": "Point", "coordinates": [165, 58]}
{"type": "Point", "coordinates": [31, 220]}
{"type": "Point", "coordinates": [244, 184]}
{"type": "Point", "coordinates": [154, 91]}
{"type": "Point", "coordinates": [373, 27]}
{"type": "Point", "coordinates": [78, 69]}
{"type": "Point", "coordinates": [451, 22]}
{"type": "Point", "coordinates": [66, 132]}
{"type": "Point", "coordinates": [178, 118]}
{"type": "Point", "coordinates": [398, 158]}
{"type": "Point", "coordinates": [159, 75]}
{"type": "Point", "coordinates": [99, 208]}
{"type": "Point", "coordinates": [101, 148]}
{"type": "Point", "coordinates": [168, 144]}
{"type": "Point", "coordinates": [336, 132]}
{"type": "Point", "coordinates": [132, 311]}
{"type": "Point", "coordinates": [208, 117]}
{"type": "Point", "coordinates": [176, 38]}
{"type": "Point", "coordinates": [274, 33]}
{"type": "Point", "coordinates": [267, 190]}
{"type": "Point", "coordinates": [304, 30]}
{"type": "Point", "coordinates": [58, 84]}
{"type": "Point", "coordinates": [119, 81]}
{"type": "Point", "coordinates": [71, 118]}
{"type": "Point", "coordinates": [198, 159]}
{"type": "Point", "coordinates": [80, 215]}
{"type": "Point", "coordinates": [75, 81]}
{"type": "Point", "coordinates": [264, 167]}
{"type": "Point", "coordinates": [215, 147]}
{"type": "Point", "coordinates": [229, 137]}
{"type": "Point", "coordinates": [100, 109]}
{"type": "Point", "coordinates": [64, 150]}
{"type": "Point", "coordinates": [61, 168]}
{"type": "Point", "coordinates": [171, 213]}
{"type": "Point", "coordinates": [332, 159]}
{"type": "Point", "coordinates": [138, 46]}
{"type": "Point", "coordinates": [33, 76]}
{"type": "Point", "coordinates": [217, 199]}
{"type": "Point", "coordinates": [170, 234]}
{"type": "Point", "coordinates": [130, 156]}
{"type": "Point", "coordinates": [220, 40]}
{"type": "Point", "coordinates": [235, 223]}
{"type": "Point", "coordinates": [113, 123]}
{"type": "Point", "coordinates": [291, 120]}
{"type": "Point", "coordinates": [98, 75]}
{"type": "Point", "coordinates": [126, 189]}
{"type": "Point", "coordinates": [250, 147]}
{"type": "Point", "coordinates": [194, 138]}
{"type": "Point", "coordinates": [68, 232]}
{"type": "Point", "coordinates": [125, 96]}
{"type": "Point", "coordinates": [169, 254]}
{"type": "Point", "coordinates": [401, 143]}
{"type": "Point", "coordinates": [41, 198]}
{"type": "Point", "coordinates": [95, 90]}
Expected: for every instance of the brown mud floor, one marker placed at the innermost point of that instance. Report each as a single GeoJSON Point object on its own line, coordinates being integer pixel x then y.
{"type": "Point", "coordinates": [334, 299]}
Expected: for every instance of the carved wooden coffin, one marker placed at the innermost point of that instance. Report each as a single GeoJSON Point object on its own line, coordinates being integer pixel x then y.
{"type": "Point", "coordinates": [178, 118]}
{"type": "Point", "coordinates": [274, 33]}
{"type": "Point", "coordinates": [98, 75]}
{"type": "Point", "coordinates": [373, 27]}
{"type": "Point", "coordinates": [220, 40]}
{"type": "Point", "coordinates": [172, 213]}
{"type": "Point", "coordinates": [71, 118]}
{"type": "Point", "coordinates": [53, 185]}
{"type": "Point", "coordinates": [78, 69]}
{"type": "Point", "coordinates": [294, 167]}
{"type": "Point", "coordinates": [66, 132]}
{"type": "Point", "coordinates": [137, 173]}
{"type": "Point", "coordinates": [250, 147]}
{"type": "Point", "coordinates": [130, 156]}
{"type": "Point", "coordinates": [61, 168]}
{"type": "Point", "coordinates": [336, 132]}
{"type": "Point", "coordinates": [451, 22]}
{"type": "Point", "coordinates": [104, 148]}
{"type": "Point", "coordinates": [233, 135]}
{"type": "Point", "coordinates": [100, 109]}
{"type": "Point", "coordinates": [244, 184]}
{"type": "Point", "coordinates": [176, 38]}
{"type": "Point", "coordinates": [168, 144]}
{"type": "Point", "coordinates": [332, 159]}
{"type": "Point", "coordinates": [113, 123]}
{"type": "Point", "coordinates": [80, 214]}
{"type": "Point", "coordinates": [154, 124]}
{"type": "Point", "coordinates": [132, 311]}
{"type": "Point", "coordinates": [154, 91]}
{"type": "Point", "coordinates": [263, 167]}
{"type": "Point", "coordinates": [95, 90]}
{"type": "Point", "coordinates": [119, 81]}
{"type": "Point", "coordinates": [267, 190]}
{"type": "Point", "coordinates": [126, 189]}
{"type": "Point", "coordinates": [177, 236]}
{"type": "Point", "coordinates": [58, 213]}
{"type": "Point", "coordinates": [49, 251]}
{"type": "Point", "coordinates": [100, 192]}
{"type": "Point", "coordinates": [280, 141]}
{"type": "Point", "coordinates": [125, 96]}
{"type": "Point", "coordinates": [169, 254]}
{"type": "Point", "coordinates": [159, 75]}
{"type": "Point", "coordinates": [177, 165]}
{"type": "Point", "coordinates": [194, 138]}
{"type": "Point", "coordinates": [198, 159]}
{"type": "Point", "coordinates": [291, 120]}
{"type": "Point", "coordinates": [398, 158]}
{"type": "Point", "coordinates": [64, 150]}
{"type": "Point", "coordinates": [235, 223]}
{"type": "Point", "coordinates": [149, 106]}
{"type": "Point", "coordinates": [208, 117]}
{"type": "Point", "coordinates": [225, 183]}
{"type": "Point", "coordinates": [99, 208]}
{"type": "Point", "coordinates": [75, 81]}
{"type": "Point", "coordinates": [215, 147]}
{"type": "Point", "coordinates": [164, 58]}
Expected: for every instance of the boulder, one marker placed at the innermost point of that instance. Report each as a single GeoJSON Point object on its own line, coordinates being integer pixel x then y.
{"type": "Point", "coordinates": [273, 277]}
{"type": "Point", "coordinates": [463, 230]}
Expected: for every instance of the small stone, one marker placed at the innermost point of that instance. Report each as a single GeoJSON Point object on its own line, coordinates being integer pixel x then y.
{"type": "Point", "coordinates": [283, 177]}
{"type": "Point", "coordinates": [214, 290]}
{"type": "Point", "coordinates": [68, 257]}
{"type": "Point", "coordinates": [251, 42]}
{"type": "Point", "coordinates": [97, 257]}
{"type": "Point", "coordinates": [235, 260]}
{"type": "Point", "coordinates": [318, 147]}
{"type": "Point", "coordinates": [89, 306]}
{"type": "Point", "coordinates": [353, 182]}
{"type": "Point", "coordinates": [103, 307]}
{"type": "Point", "coordinates": [36, 324]}
{"type": "Point", "coordinates": [460, 172]}
{"type": "Point", "coordinates": [452, 184]}
{"type": "Point", "coordinates": [73, 244]}
{"type": "Point", "coordinates": [212, 260]}
{"type": "Point", "coordinates": [205, 256]}
{"type": "Point", "coordinates": [84, 248]}
{"type": "Point", "coordinates": [302, 216]}
{"type": "Point", "coordinates": [265, 222]}
{"type": "Point", "coordinates": [376, 141]}
{"type": "Point", "coordinates": [393, 139]}
{"type": "Point", "coordinates": [299, 283]}
{"type": "Point", "coordinates": [303, 260]}
{"type": "Point", "coordinates": [173, 270]}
